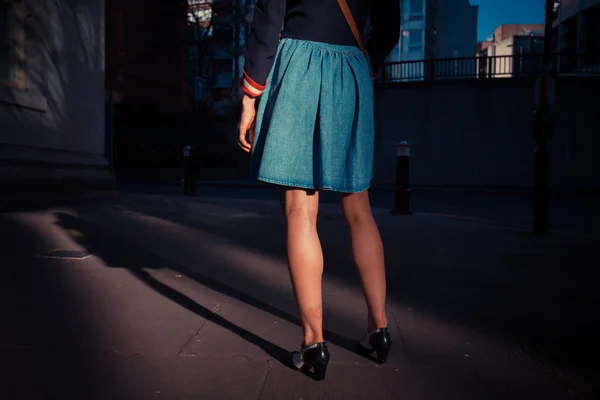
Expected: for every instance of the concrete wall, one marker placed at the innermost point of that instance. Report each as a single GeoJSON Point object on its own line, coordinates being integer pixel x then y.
{"type": "Point", "coordinates": [479, 132]}
{"type": "Point", "coordinates": [52, 130]}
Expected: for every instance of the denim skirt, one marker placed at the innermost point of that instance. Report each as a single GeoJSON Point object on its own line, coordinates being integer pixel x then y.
{"type": "Point", "coordinates": [314, 124]}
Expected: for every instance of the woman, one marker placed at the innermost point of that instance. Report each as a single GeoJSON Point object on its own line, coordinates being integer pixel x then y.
{"type": "Point", "coordinates": [314, 131]}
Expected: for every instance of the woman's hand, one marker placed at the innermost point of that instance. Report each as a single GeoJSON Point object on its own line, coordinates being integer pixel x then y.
{"type": "Point", "coordinates": [247, 123]}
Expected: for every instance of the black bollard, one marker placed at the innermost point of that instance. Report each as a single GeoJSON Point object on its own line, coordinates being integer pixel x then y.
{"type": "Point", "coordinates": [402, 193]}
{"type": "Point", "coordinates": [542, 131]}
{"type": "Point", "coordinates": [193, 159]}
{"type": "Point", "coordinates": [189, 176]}
{"type": "Point", "coordinates": [540, 188]}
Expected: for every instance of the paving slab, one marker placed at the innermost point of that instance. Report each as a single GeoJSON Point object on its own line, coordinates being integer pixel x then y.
{"type": "Point", "coordinates": [121, 377]}
{"type": "Point", "coordinates": [16, 366]}
{"type": "Point", "coordinates": [239, 330]}
{"type": "Point", "coordinates": [500, 366]}
{"type": "Point", "coordinates": [446, 259]}
{"type": "Point", "coordinates": [182, 298]}
{"type": "Point", "coordinates": [372, 382]}
{"type": "Point", "coordinates": [122, 313]}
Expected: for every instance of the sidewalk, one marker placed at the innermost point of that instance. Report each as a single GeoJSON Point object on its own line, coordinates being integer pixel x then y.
{"type": "Point", "coordinates": [566, 213]}
{"type": "Point", "coordinates": [184, 298]}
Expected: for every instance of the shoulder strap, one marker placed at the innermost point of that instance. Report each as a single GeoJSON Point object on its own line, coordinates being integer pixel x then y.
{"type": "Point", "coordinates": [352, 24]}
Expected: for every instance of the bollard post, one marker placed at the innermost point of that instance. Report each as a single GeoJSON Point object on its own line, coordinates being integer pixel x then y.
{"type": "Point", "coordinates": [402, 192]}
{"type": "Point", "coordinates": [192, 167]}
{"type": "Point", "coordinates": [187, 171]}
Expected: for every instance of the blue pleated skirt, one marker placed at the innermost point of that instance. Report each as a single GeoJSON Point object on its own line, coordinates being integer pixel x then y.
{"type": "Point", "coordinates": [314, 124]}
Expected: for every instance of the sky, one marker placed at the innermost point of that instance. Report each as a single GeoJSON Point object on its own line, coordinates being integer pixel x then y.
{"type": "Point", "coordinates": [497, 12]}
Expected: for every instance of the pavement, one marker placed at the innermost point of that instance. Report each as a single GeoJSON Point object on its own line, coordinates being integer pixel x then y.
{"type": "Point", "coordinates": [567, 212]}
{"type": "Point", "coordinates": [154, 296]}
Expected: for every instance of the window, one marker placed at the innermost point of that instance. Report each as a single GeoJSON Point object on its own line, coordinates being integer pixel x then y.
{"type": "Point", "coordinates": [415, 6]}
{"type": "Point", "coordinates": [223, 65]}
{"type": "Point", "coordinates": [207, 69]}
{"type": "Point", "coordinates": [415, 38]}
{"type": "Point", "coordinates": [412, 38]}
{"type": "Point", "coordinates": [200, 89]}
{"type": "Point", "coordinates": [222, 94]}
{"type": "Point", "coordinates": [192, 53]}
{"type": "Point", "coordinates": [416, 51]}
{"type": "Point", "coordinates": [199, 14]}
{"type": "Point", "coordinates": [193, 72]}
{"type": "Point", "coordinates": [12, 37]}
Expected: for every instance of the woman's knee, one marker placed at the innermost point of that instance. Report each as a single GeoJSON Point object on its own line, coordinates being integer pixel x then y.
{"type": "Point", "coordinates": [356, 207]}
{"type": "Point", "coordinates": [301, 204]}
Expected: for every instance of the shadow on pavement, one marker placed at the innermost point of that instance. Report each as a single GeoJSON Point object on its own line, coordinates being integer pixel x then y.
{"type": "Point", "coordinates": [16, 311]}
{"type": "Point", "coordinates": [511, 306]}
{"type": "Point", "coordinates": [41, 327]}
{"type": "Point", "coordinates": [543, 300]}
{"type": "Point", "coordinates": [540, 296]}
{"type": "Point", "coordinates": [119, 253]}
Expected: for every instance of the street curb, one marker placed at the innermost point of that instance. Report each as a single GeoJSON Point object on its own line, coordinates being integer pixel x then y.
{"type": "Point", "coordinates": [516, 191]}
{"type": "Point", "coordinates": [237, 184]}
{"type": "Point", "coordinates": [516, 226]}
{"type": "Point", "coordinates": [461, 189]}
{"type": "Point", "coordinates": [253, 185]}
{"type": "Point", "coordinates": [379, 212]}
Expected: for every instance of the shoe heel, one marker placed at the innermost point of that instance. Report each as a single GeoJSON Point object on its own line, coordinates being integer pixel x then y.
{"type": "Point", "coordinates": [382, 355]}
{"type": "Point", "coordinates": [320, 370]}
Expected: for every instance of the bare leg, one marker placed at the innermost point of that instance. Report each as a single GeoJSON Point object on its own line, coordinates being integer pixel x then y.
{"type": "Point", "coordinates": [305, 258]}
{"type": "Point", "coordinates": [367, 250]}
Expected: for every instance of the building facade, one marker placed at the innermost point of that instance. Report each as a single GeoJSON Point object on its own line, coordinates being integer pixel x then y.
{"type": "Point", "coordinates": [436, 29]}
{"type": "Point", "coordinates": [456, 29]}
{"type": "Point", "coordinates": [417, 38]}
{"type": "Point", "coordinates": [52, 138]}
{"type": "Point", "coordinates": [576, 35]}
{"type": "Point", "coordinates": [218, 30]}
{"type": "Point", "coordinates": [507, 31]}
{"type": "Point", "coordinates": [512, 50]}
{"type": "Point", "coordinates": [145, 52]}
{"type": "Point", "coordinates": [433, 29]}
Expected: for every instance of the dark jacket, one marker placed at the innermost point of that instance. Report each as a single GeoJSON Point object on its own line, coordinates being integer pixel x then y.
{"type": "Point", "coordinates": [315, 20]}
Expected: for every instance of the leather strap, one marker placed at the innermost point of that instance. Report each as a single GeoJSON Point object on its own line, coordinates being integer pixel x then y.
{"type": "Point", "coordinates": [350, 19]}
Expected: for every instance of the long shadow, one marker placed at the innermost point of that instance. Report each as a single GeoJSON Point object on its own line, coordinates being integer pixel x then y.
{"type": "Point", "coordinates": [270, 348]}
{"type": "Point", "coordinates": [16, 311]}
{"type": "Point", "coordinates": [42, 323]}
{"type": "Point", "coordinates": [136, 258]}
{"type": "Point", "coordinates": [560, 335]}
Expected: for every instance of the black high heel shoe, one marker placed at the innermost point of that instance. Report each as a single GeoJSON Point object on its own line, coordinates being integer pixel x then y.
{"type": "Point", "coordinates": [315, 357]}
{"type": "Point", "coordinates": [377, 343]}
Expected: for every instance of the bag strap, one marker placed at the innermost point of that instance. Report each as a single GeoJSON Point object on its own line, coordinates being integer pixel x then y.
{"type": "Point", "coordinates": [348, 14]}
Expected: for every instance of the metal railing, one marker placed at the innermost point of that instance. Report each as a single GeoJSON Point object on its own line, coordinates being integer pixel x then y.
{"type": "Point", "coordinates": [511, 66]}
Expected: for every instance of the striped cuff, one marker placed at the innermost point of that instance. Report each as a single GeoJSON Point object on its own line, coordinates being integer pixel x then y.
{"type": "Point", "coordinates": [375, 74]}
{"type": "Point", "coordinates": [250, 87]}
